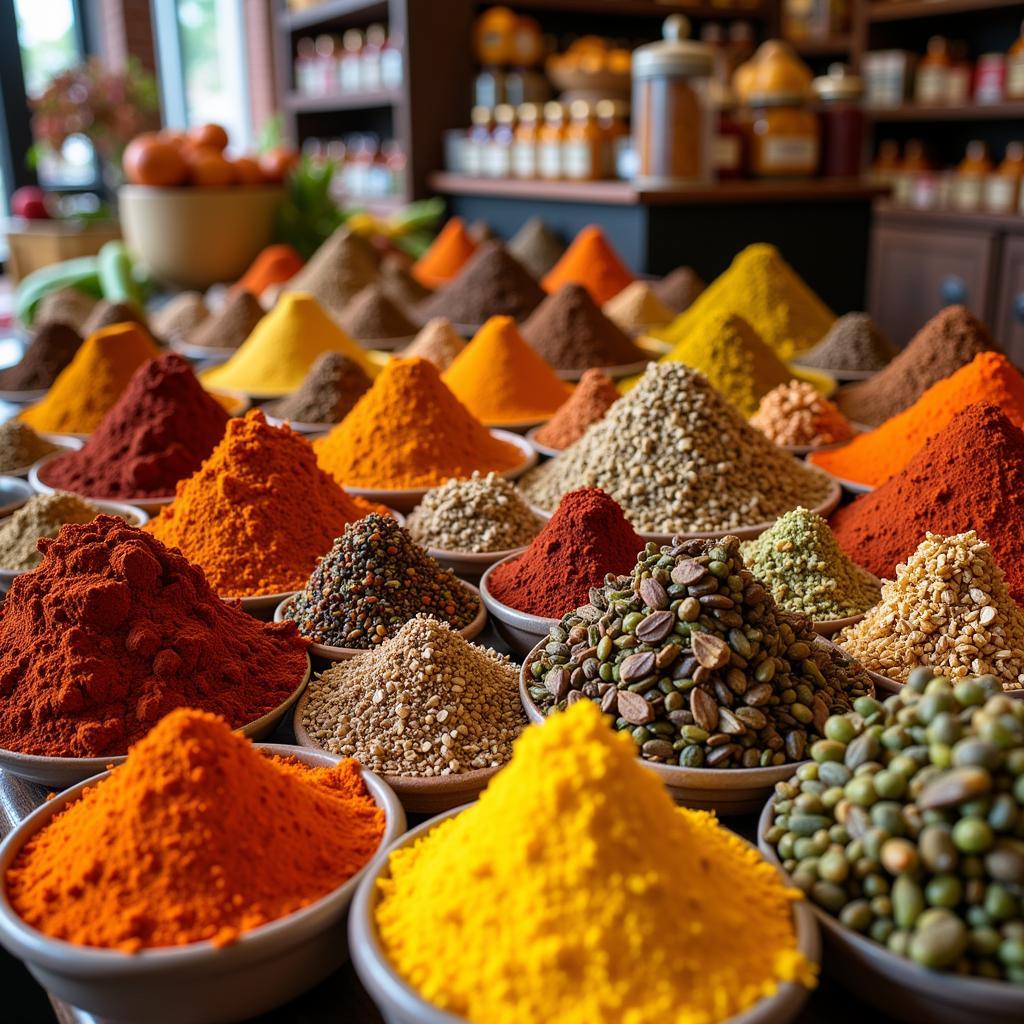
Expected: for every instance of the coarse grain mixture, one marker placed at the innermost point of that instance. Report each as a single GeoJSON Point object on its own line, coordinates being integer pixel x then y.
{"type": "Point", "coordinates": [399, 284]}
{"type": "Point", "coordinates": [796, 413]}
{"type": "Point", "coordinates": [484, 513]}
{"type": "Point", "coordinates": [41, 516]}
{"type": "Point", "coordinates": [20, 446]}
{"type": "Point", "coordinates": [806, 569]}
{"type": "Point", "coordinates": [334, 384]}
{"type": "Point", "coordinates": [595, 394]}
{"type": "Point", "coordinates": [678, 458]}
{"type": "Point", "coordinates": [106, 314]}
{"type": "Point", "coordinates": [949, 607]}
{"type": "Point", "coordinates": [66, 305]}
{"type": "Point", "coordinates": [853, 342]}
{"type": "Point", "coordinates": [693, 657]}
{"type": "Point", "coordinates": [373, 581]}
{"type": "Point", "coordinates": [425, 703]}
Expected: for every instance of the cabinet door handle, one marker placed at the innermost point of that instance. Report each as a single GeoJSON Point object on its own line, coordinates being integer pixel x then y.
{"type": "Point", "coordinates": [953, 290]}
{"type": "Point", "coordinates": [1018, 307]}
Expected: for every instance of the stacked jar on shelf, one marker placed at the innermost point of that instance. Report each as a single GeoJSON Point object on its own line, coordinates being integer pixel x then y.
{"type": "Point", "coordinates": [355, 62]}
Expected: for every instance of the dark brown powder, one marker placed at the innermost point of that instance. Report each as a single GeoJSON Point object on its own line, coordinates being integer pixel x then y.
{"type": "Point", "coordinates": [536, 246]}
{"type": "Point", "coordinates": [570, 332]}
{"type": "Point", "coordinates": [53, 346]}
{"type": "Point", "coordinates": [593, 397]}
{"type": "Point", "coordinates": [371, 315]}
{"type": "Point", "coordinates": [180, 316]}
{"type": "Point", "coordinates": [105, 314]}
{"type": "Point", "coordinates": [399, 285]}
{"type": "Point", "coordinates": [333, 385]}
{"type": "Point", "coordinates": [854, 342]}
{"type": "Point", "coordinates": [342, 266]}
{"type": "Point", "coordinates": [679, 288]}
{"type": "Point", "coordinates": [231, 325]}
{"type": "Point", "coordinates": [492, 283]}
{"type": "Point", "coordinates": [951, 339]}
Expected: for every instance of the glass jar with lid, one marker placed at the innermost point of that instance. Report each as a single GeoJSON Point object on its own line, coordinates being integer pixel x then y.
{"type": "Point", "coordinates": [842, 122]}
{"type": "Point", "coordinates": [672, 118]}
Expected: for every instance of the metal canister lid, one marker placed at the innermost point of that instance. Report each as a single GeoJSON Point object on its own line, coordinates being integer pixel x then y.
{"type": "Point", "coordinates": [674, 55]}
{"type": "Point", "coordinates": [840, 83]}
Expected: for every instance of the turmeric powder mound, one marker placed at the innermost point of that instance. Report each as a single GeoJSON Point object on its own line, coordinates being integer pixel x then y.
{"type": "Point", "coordinates": [447, 255]}
{"type": "Point", "coordinates": [196, 837]}
{"type": "Point", "coordinates": [731, 354]}
{"type": "Point", "coordinates": [765, 290]}
{"type": "Point", "coordinates": [874, 457]}
{"type": "Point", "coordinates": [592, 262]}
{"type": "Point", "coordinates": [408, 431]}
{"type": "Point", "coordinates": [93, 381]}
{"type": "Point", "coordinates": [276, 357]}
{"type": "Point", "coordinates": [587, 896]}
{"type": "Point", "coordinates": [502, 380]}
{"type": "Point", "coordinates": [258, 513]}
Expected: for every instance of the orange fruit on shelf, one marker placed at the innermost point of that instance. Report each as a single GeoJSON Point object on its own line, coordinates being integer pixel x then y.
{"type": "Point", "coordinates": [209, 136]}
{"type": "Point", "coordinates": [208, 168]}
{"type": "Point", "coordinates": [151, 160]}
{"type": "Point", "coordinates": [276, 163]}
{"type": "Point", "coordinates": [247, 171]}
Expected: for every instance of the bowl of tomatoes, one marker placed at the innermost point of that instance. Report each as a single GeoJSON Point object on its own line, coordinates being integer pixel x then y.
{"type": "Point", "coordinates": [194, 213]}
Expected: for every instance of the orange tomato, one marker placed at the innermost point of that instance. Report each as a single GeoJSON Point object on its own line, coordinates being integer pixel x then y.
{"type": "Point", "coordinates": [207, 168]}
{"type": "Point", "coordinates": [150, 160]}
{"type": "Point", "coordinates": [174, 137]}
{"type": "Point", "coordinates": [247, 171]}
{"type": "Point", "coordinates": [276, 163]}
{"type": "Point", "coordinates": [209, 136]}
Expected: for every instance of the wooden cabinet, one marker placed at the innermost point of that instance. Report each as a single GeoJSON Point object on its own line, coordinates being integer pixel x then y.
{"type": "Point", "coordinates": [1008, 321]}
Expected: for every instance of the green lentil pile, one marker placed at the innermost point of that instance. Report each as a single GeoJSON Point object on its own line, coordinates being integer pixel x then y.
{"type": "Point", "coordinates": [807, 571]}
{"type": "Point", "coordinates": [41, 516]}
{"type": "Point", "coordinates": [20, 446]}
{"type": "Point", "coordinates": [372, 582]}
{"type": "Point", "coordinates": [908, 824]}
{"type": "Point", "coordinates": [692, 655]}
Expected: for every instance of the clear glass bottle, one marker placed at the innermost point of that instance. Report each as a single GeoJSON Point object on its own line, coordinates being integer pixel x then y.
{"type": "Point", "coordinates": [549, 142]}
{"type": "Point", "coordinates": [392, 63]}
{"type": "Point", "coordinates": [931, 83]}
{"type": "Point", "coordinates": [524, 147]}
{"type": "Point", "coordinates": [349, 63]}
{"type": "Point", "coordinates": [370, 59]}
{"type": "Point", "coordinates": [1002, 188]}
{"type": "Point", "coordinates": [613, 120]}
{"type": "Point", "coordinates": [499, 162]}
{"type": "Point", "coordinates": [478, 140]}
{"type": "Point", "coordinates": [582, 149]}
{"type": "Point", "coordinates": [971, 174]}
{"type": "Point", "coordinates": [1015, 69]}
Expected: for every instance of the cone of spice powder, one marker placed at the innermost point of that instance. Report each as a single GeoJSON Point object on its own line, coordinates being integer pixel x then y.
{"type": "Point", "coordinates": [436, 341]}
{"type": "Point", "coordinates": [41, 516]}
{"type": "Point", "coordinates": [371, 316]}
{"type": "Point", "coordinates": [258, 513]}
{"type": "Point", "coordinates": [274, 265]}
{"type": "Point", "coordinates": [106, 314]}
{"type": "Point", "coordinates": [570, 332]}
{"type": "Point", "coordinates": [113, 631]}
{"type": "Point", "coordinates": [586, 538]}
{"type": "Point", "coordinates": [637, 308]}
{"type": "Point", "coordinates": [502, 380]}
{"type": "Point", "coordinates": [592, 262]}
{"type": "Point", "coordinates": [93, 381]}
{"type": "Point", "coordinates": [854, 342]}
{"type": "Point", "coordinates": [66, 305]}
{"type": "Point", "coordinates": [21, 446]}
{"type": "Point", "coordinates": [492, 283]}
{"type": "Point", "coordinates": [333, 386]}
{"type": "Point", "coordinates": [276, 357]}
{"type": "Point", "coordinates": [450, 251]}
{"type": "Point", "coordinates": [951, 339]}
{"type": "Point", "coordinates": [158, 432]}
{"type": "Point", "coordinates": [679, 289]}
{"type": "Point", "coordinates": [399, 284]}
{"type": "Point", "coordinates": [341, 267]}
{"type": "Point", "coordinates": [52, 347]}
{"type": "Point", "coordinates": [230, 326]}
{"type": "Point", "coordinates": [180, 316]}
{"type": "Point", "coordinates": [410, 431]}
{"type": "Point", "coordinates": [536, 247]}
{"type": "Point", "coordinates": [592, 398]}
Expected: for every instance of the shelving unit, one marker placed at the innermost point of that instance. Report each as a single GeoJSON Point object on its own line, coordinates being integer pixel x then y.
{"type": "Point", "coordinates": [1006, 111]}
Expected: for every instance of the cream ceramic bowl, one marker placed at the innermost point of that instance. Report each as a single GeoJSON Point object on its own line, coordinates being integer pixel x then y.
{"type": "Point", "coordinates": [520, 630]}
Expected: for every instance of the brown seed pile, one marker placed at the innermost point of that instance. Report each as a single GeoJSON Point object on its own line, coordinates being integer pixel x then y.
{"type": "Point", "coordinates": [637, 308]}
{"type": "Point", "coordinates": [20, 446]}
{"type": "Point", "coordinates": [796, 413]}
{"type": "Point", "coordinates": [231, 325]}
{"type": "Point", "coordinates": [691, 655]}
{"type": "Point", "coordinates": [437, 342]}
{"type": "Point", "coordinates": [595, 394]}
{"type": "Point", "coordinates": [372, 316]}
{"type": "Point", "coordinates": [949, 608]}
{"type": "Point", "coordinates": [425, 703]}
{"type": "Point", "coordinates": [333, 385]}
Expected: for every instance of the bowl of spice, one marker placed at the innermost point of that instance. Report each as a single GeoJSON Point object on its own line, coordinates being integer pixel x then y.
{"type": "Point", "coordinates": [21, 447]}
{"type": "Point", "coordinates": [468, 525]}
{"type": "Point", "coordinates": [375, 320]}
{"type": "Point", "coordinates": [334, 384]}
{"type": "Point", "coordinates": [105, 628]}
{"type": "Point", "coordinates": [591, 399]}
{"type": "Point", "coordinates": [853, 349]}
{"type": "Point", "coordinates": [501, 864]}
{"type": "Point", "coordinates": [433, 714]}
{"type": "Point", "coordinates": [807, 572]}
{"type": "Point", "coordinates": [53, 345]}
{"type": "Point", "coordinates": [584, 540]}
{"type": "Point", "coordinates": [243, 933]}
{"type": "Point", "coordinates": [704, 707]}
{"type": "Point", "coordinates": [219, 335]}
{"type": "Point", "coordinates": [798, 418]}
{"type": "Point", "coordinates": [14, 492]}
{"type": "Point", "coordinates": [372, 581]}
{"type": "Point", "coordinates": [931, 928]}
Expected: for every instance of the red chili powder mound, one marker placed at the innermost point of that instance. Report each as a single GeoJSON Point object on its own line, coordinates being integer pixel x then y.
{"type": "Point", "coordinates": [113, 630]}
{"type": "Point", "coordinates": [587, 537]}
{"type": "Point", "coordinates": [969, 476]}
{"type": "Point", "coordinates": [157, 433]}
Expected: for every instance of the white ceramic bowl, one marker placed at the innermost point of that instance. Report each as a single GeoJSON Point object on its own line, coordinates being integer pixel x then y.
{"type": "Point", "coordinates": [471, 564]}
{"type": "Point", "coordinates": [312, 429]}
{"type": "Point", "coordinates": [400, 1004]}
{"type": "Point", "coordinates": [198, 983]}
{"type": "Point", "coordinates": [23, 397]}
{"type": "Point", "coordinates": [69, 444]}
{"type": "Point", "coordinates": [615, 372]}
{"type": "Point", "coordinates": [14, 492]}
{"type": "Point", "coordinates": [60, 772]}
{"type": "Point", "coordinates": [898, 987]}
{"type": "Point", "coordinates": [329, 653]}
{"type": "Point", "coordinates": [727, 791]}
{"type": "Point", "coordinates": [40, 486]}
{"type": "Point", "coordinates": [201, 353]}
{"type": "Point", "coordinates": [542, 449]}
{"type": "Point", "coordinates": [520, 630]}
{"type": "Point", "coordinates": [406, 499]}
{"type": "Point", "coordinates": [418, 795]}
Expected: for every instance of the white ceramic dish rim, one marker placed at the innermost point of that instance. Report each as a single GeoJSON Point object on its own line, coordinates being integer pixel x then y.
{"type": "Point", "coordinates": [300, 426]}
{"type": "Point", "coordinates": [58, 955]}
{"type": "Point", "coordinates": [851, 485]}
{"type": "Point", "coordinates": [524, 621]}
{"type": "Point", "coordinates": [383, 982]}
{"type": "Point", "coordinates": [18, 486]}
{"type": "Point", "coordinates": [542, 449]}
{"type": "Point", "coordinates": [615, 372]}
{"type": "Point", "coordinates": [23, 397]}
{"type": "Point", "coordinates": [40, 486]}
{"type": "Point", "coordinates": [200, 353]}
{"type": "Point", "coordinates": [69, 444]}
{"type": "Point", "coordinates": [483, 559]}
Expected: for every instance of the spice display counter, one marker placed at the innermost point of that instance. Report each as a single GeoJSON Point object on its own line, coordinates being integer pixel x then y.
{"type": "Point", "coordinates": [824, 225]}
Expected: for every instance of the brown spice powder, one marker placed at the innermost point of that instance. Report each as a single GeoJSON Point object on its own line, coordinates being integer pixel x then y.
{"type": "Point", "coordinates": [594, 396]}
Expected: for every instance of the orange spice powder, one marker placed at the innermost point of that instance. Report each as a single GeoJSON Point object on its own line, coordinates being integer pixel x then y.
{"type": "Point", "coordinates": [447, 255]}
{"type": "Point", "coordinates": [275, 264]}
{"type": "Point", "coordinates": [592, 262]}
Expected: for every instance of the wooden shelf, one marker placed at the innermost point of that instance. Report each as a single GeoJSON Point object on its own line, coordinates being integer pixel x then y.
{"type": "Point", "coordinates": [906, 10]}
{"type": "Point", "coordinates": [831, 46]}
{"type": "Point", "coordinates": [334, 10]}
{"type": "Point", "coordinates": [366, 100]}
{"type": "Point", "coordinates": [621, 193]}
{"type": "Point", "coordinates": [640, 8]}
{"type": "Point", "coordinates": [1006, 111]}
{"type": "Point", "coordinates": [891, 212]}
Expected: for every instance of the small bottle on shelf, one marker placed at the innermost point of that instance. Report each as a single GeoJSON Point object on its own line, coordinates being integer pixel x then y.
{"type": "Point", "coordinates": [549, 142]}
{"type": "Point", "coordinates": [305, 66]}
{"type": "Point", "coordinates": [499, 162]}
{"type": "Point", "coordinates": [990, 78]}
{"type": "Point", "coordinates": [582, 151]}
{"type": "Point", "coordinates": [728, 147]}
{"type": "Point", "coordinates": [840, 94]}
{"type": "Point", "coordinates": [524, 146]}
{"type": "Point", "coordinates": [369, 61]}
{"type": "Point", "coordinates": [971, 174]}
{"type": "Point", "coordinates": [959, 76]}
{"type": "Point", "coordinates": [613, 120]}
{"type": "Point", "coordinates": [1015, 69]}
{"type": "Point", "coordinates": [931, 84]}
{"type": "Point", "coordinates": [349, 64]}
{"type": "Point", "coordinates": [392, 64]}
{"type": "Point", "coordinates": [326, 66]}
{"type": "Point", "coordinates": [886, 165]}
{"type": "Point", "coordinates": [478, 142]}
{"type": "Point", "coordinates": [1002, 188]}
{"type": "Point", "coordinates": [915, 164]}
